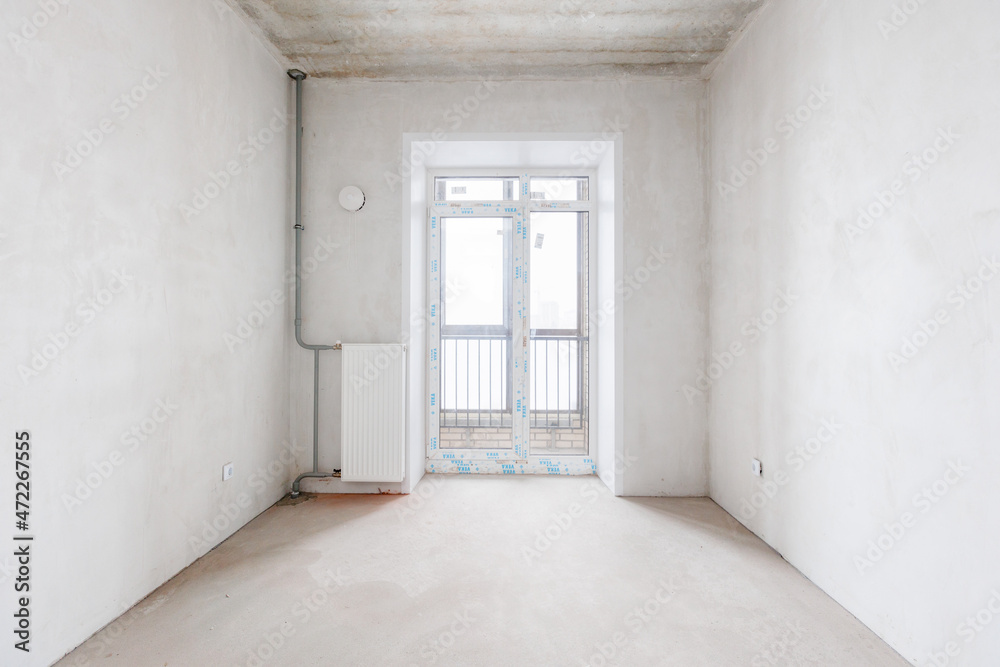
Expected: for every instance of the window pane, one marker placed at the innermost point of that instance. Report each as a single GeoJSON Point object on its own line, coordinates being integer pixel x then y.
{"type": "Point", "coordinates": [473, 268]}
{"type": "Point", "coordinates": [475, 189]}
{"type": "Point", "coordinates": [555, 270]}
{"type": "Point", "coordinates": [560, 189]}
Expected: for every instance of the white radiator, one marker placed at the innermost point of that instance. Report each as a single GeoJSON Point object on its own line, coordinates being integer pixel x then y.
{"type": "Point", "coordinates": [373, 412]}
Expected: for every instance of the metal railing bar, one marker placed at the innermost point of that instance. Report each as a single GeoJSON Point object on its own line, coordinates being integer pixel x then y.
{"type": "Point", "coordinates": [468, 381]}
{"type": "Point", "coordinates": [479, 383]}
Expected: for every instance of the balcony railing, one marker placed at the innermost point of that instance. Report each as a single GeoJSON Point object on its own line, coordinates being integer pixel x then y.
{"type": "Point", "coordinates": [476, 389]}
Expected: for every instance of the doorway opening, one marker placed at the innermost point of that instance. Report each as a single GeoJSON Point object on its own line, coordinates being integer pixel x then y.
{"type": "Point", "coordinates": [509, 277]}
{"type": "Point", "coordinates": [522, 163]}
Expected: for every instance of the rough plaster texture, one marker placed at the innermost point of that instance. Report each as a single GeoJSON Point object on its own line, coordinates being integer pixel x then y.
{"type": "Point", "coordinates": [895, 96]}
{"type": "Point", "coordinates": [462, 573]}
{"type": "Point", "coordinates": [520, 39]}
{"type": "Point", "coordinates": [353, 135]}
{"type": "Point", "coordinates": [152, 354]}
{"type": "Point", "coordinates": [144, 370]}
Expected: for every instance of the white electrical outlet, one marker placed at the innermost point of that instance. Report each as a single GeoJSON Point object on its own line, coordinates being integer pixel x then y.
{"type": "Point", "coordinates": [758, 468]}
{"type": "Point", "coordinates": [227, 471]}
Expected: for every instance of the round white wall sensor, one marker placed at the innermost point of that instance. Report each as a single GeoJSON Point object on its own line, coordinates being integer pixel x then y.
{"type": "Point", "coordinates": [352, 198]}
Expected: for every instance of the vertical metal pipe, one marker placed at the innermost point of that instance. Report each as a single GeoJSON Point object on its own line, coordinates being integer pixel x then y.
{"type": "Point", "coordinates": [315, 410]}
{"type": "Point", "coordinates": [299, 76]}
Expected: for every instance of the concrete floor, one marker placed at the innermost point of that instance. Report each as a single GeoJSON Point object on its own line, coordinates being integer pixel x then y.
{"type": "Point", "coordinates": [489, 571]}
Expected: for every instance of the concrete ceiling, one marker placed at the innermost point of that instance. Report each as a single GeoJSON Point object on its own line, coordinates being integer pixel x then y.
{"type": "Point", "coordinates": [510, 39]}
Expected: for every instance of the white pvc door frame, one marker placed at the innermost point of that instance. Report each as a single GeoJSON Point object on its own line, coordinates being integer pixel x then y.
{"type": "Point", "coordinates": [518, 459]}
{"type": "Point", "coordinates": [518, 324]}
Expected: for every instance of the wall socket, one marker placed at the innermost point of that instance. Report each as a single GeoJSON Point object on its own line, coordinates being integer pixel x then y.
{"type": "Point", "coordinates": [227, 471]}
{"type": "Point", "coordinates": [758, 467]}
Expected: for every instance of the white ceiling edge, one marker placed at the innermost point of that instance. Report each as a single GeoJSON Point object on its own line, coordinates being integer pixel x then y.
{"type": "Point", "coordinates": [696, 75]}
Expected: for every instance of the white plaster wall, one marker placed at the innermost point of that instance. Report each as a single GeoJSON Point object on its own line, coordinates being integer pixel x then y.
{"type": "Point", "coordinates": [353, 134]}
{"type": "Point", "coordinates": [858, 295]}
{"type": "Point", "coordinates": [160, 338]}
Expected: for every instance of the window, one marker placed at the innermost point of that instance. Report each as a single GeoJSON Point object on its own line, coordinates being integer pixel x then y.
{"type": "Point", "coordinates": [560, 189]}
{"type": "Point", "coordinates": [475, 188]}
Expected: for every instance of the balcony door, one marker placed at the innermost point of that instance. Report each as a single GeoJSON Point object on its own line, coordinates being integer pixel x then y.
{"type": "Point", "coordinates": [508, 355]}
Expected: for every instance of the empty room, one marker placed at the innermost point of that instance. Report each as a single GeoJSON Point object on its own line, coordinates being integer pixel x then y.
{"type": "Point", "coordinates": [543, 332]}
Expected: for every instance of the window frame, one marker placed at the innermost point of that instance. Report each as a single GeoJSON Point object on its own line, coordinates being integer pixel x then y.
{"type": "Point", "coordinates": [508, 263]}
{"type": "Point", "coordinates": [523, 175]}
{"type": "Point", "coordinates": [580, 282]}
